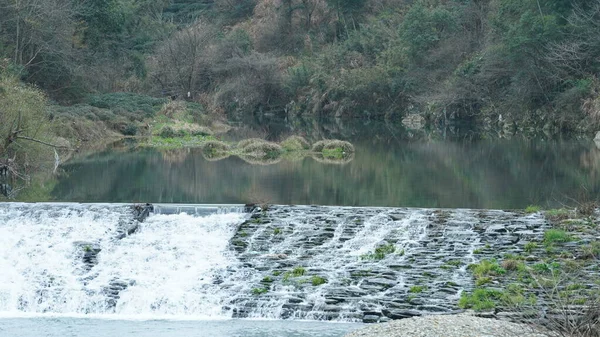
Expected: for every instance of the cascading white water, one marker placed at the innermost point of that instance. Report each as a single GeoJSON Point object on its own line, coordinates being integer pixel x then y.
{"type": "Point", "coordinates": [299, 262]}
{"type": "Point", "coordinates": [335, 259]}
{"type": "Point", "coordinates": [166, 268]}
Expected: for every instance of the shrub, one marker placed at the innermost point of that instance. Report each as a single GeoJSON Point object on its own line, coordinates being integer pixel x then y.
{"type": "Point", "coordinates": [167, 132]}
{"type": "Point", "coordinates": [171, 108]}
{"type": "Point", "coordinates": [130, 130]}
{"type": "Point", "coordinates": [129, 102]}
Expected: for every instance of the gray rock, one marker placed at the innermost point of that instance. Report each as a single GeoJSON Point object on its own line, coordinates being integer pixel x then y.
{"type": "Point", "coordinates": [370, 319]}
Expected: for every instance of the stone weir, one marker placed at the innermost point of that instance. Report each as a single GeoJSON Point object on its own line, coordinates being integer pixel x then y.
{"type": "Point", "coordinates": [366, 264]}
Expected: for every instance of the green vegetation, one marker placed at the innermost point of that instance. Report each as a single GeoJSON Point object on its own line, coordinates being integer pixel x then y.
{"type": "Point", "coordinates": [558, 214]}
{"type": "Point", "coordinates": [380, 252]}
{"type": "Point", "coordinates": [296, 272]}
{"type": "Point", "coordinates": [504, 62]}
{"type": "Point", "coordinates": [481, 299]}
{"type": "Point", "coordinates": [486, 268]}
{"type": "Point", "coordinates": [259, 291]}
{"type": "Point", "coordinates": [556, 276]}
{"type": "Point", "coordinates": [532, 209]}
{"type": "Point", "coordinates": [277, 231]}
{"type": "Point", "coordinates": [553, 236]}
{"type": "Point", "coordinates": [530, 246]}
{"type": "Point", "coordinates": [317, 280]}
{"type": "Point", "coordinates": [416, 289]}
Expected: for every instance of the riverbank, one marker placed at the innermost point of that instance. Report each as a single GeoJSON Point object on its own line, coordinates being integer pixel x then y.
{"type": "Point", "coordinates": [461, 325]}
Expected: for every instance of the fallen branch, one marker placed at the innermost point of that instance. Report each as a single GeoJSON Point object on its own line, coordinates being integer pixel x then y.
{"type": "Point", "coordinates": [42, 142]}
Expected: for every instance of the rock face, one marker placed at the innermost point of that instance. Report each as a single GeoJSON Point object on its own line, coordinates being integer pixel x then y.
{"type": "Point", "coordinates": [129, 226]}
{"type": "Point", "coordinates": [367, 264]}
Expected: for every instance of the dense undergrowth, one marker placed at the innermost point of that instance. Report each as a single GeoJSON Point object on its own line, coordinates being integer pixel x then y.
{"type": "Point", "coordinates": [516, 64]}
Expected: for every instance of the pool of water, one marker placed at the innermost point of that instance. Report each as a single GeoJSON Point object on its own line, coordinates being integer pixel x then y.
{"type": "Point", "coordinates": [392, 166]}
{"type": "Point", "coordinates": [88, 327]}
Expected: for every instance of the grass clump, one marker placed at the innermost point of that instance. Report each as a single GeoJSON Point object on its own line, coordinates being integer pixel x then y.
{"type": "Point", "coordinates": [416, 289]}
{"type": "Point", "coordinates": [591, 251]}
{"type": "Point", "coordinates": [510, 264]}
{"type": "Point", "coordinates": [215, 150]}
{"type": "Point", "coordinates": [553, 236]}
{"type": "Point", "coordinates": [296, 272]}
{"type": "Point", "coordinates": [259, 291]}
{"type": "Point", "coordinates": [380, 252]}
{"type": "Point", "coordinates": [530, 246]}
{"type": "Point", "coordinates": [277, 231]}
{"type": "Point", "coordinates": [486, 268]}
{"type": "Point", "coordinates": [295, 143]}
{"type": "Point", "coordinates": [317, 280]}
{"type": "Point", "coordinates": [330, 145]}
{"type": "Point", "coordinates": [260, 149]}
{"type": "Point", "coordinates": [532, 209]}
{"type": "Point", "coordinates": [481, 299]}
{"type": "Point", "coordinates": [558, 214]}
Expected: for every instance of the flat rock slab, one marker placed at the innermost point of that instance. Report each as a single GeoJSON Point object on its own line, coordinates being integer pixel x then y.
{"type": "Point", "coordinates": [425, 272]}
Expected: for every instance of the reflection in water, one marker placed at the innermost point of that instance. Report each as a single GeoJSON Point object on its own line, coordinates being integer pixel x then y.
{"type": "Point", "coordinates": [385, 171]}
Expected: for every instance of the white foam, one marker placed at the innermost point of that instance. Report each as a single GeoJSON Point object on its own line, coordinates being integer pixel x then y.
{"type": "Point", "coordinates": [170, 263]}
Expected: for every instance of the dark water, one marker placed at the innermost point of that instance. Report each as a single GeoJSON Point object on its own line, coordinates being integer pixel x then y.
{"type": "Point", "coordinates": [392, 167]}
{"type": "Point", "coordinates": [85, 327]}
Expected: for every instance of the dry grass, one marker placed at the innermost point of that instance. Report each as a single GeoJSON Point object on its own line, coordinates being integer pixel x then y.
{"type": "Point", "coordinates": [262, 150]}
{"type": "Point", "coordinates": [295, 143]}
{"type": "Point", "coordinates": [324, 145]}
{"type": "Point", "coordinates": [215, 150]}
{"type": "Point", "coordinates": [172, 108]}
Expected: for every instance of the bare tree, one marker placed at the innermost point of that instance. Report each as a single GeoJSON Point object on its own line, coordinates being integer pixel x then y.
{"type": "Point", "coordinates": [181, 63]}
{"type": "Point", "coordinates": [39, 32]}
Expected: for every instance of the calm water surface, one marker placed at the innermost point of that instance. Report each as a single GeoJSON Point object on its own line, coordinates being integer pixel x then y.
{"type": "Point", "coordinates": [83, 327]}
{"type": "Point", "coordinates": [392, 167]}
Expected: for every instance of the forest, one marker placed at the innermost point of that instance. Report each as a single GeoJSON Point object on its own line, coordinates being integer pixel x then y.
{"type": "Point", "coordinates": [90, 68]}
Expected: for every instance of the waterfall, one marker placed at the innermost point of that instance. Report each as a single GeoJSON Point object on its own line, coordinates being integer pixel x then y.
{"type": "Point", "coordinates": [65, 259]}
{"type": "Point", "coordinates": [217, 262]}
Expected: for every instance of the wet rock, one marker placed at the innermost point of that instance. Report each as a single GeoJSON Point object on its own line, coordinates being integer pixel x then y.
{"type": "Point", "coordinates": [430, 245]}
{"type": "Point", "coordinates": [381, 282]}
{"type": "Point", "coordinates": [370, 319]}
{"type": "Point", "coordinates": [400, 314]}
